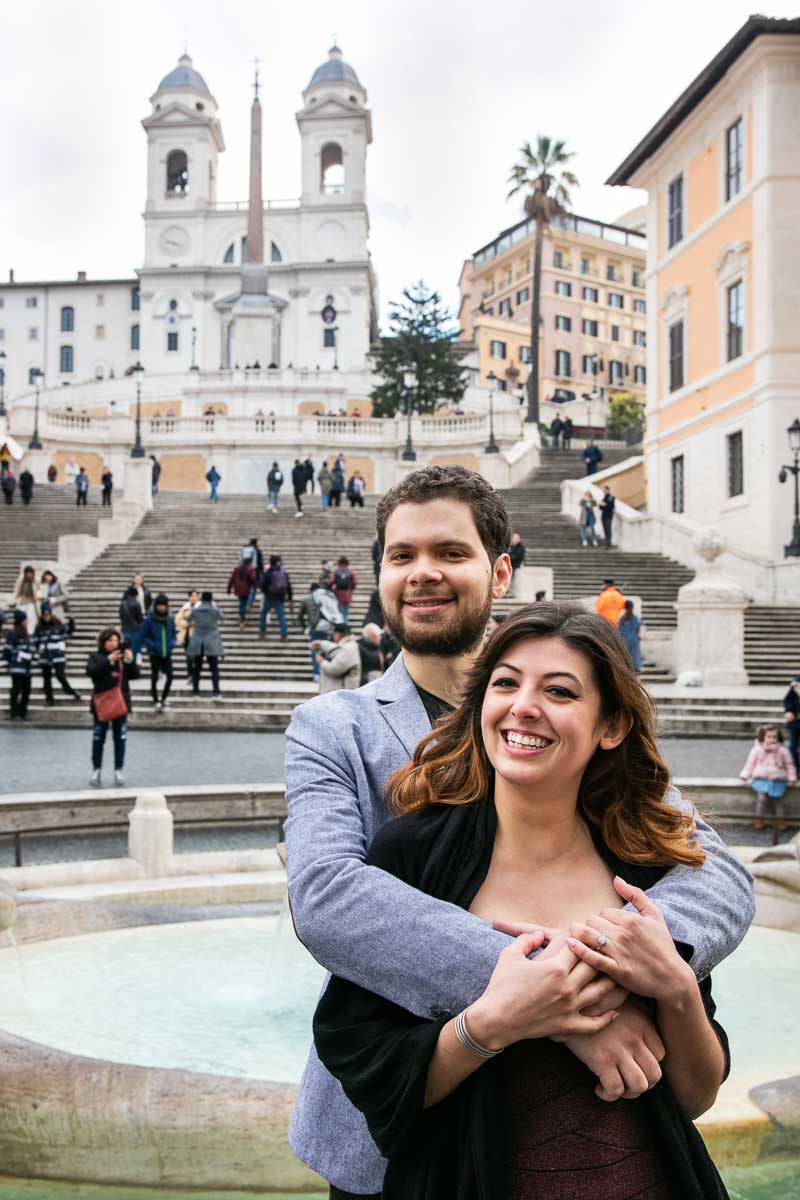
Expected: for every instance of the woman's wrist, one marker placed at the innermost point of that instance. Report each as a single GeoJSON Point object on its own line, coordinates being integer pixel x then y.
{"type": "Point", "coordinates": [679, 992]}
{"type": "Point", "coordinates": [484, 1028]}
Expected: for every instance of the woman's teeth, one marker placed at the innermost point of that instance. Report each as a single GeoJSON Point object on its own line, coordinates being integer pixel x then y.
{"type": "Point", "coordinates": [521, 739]}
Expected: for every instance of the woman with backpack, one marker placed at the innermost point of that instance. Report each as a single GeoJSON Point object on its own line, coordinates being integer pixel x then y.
{"type": "Point", "coordinates": [277, 589]}
{"type": "Point", "coordinates": [355, 490]}
{"type": "Point", "coordinates": [343, 583]}
{"type": "Point", "coordinates": [337, 485]}
{"type": "Point", "coordinates": [111, 669]}
{"type": "Point", "coordinates": [243, 579]}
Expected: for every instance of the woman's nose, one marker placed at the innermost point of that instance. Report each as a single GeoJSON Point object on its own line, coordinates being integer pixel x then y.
{"type": "Point", "coordinates": [526, 705]}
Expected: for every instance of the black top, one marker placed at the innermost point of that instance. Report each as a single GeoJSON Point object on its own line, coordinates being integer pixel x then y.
{"type": "Point", "coordinates": [106, 675]}
{"type": "Point", "coordinates": [434, 706]}
{"type": "Point", "coordinates": [516, 552]}
{"type": "Point", "coordinates": [381, 1053]}
{"type": "Point", "coordinates": [791, 704]}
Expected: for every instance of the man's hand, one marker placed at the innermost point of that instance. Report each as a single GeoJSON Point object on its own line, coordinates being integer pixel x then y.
{"type": "Point", "coordinates": [624, 1056]}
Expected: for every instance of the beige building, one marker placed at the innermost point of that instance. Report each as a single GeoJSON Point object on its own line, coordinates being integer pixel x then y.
{"type": "Point", "coordinates": [593, 308]}
{"type": "Point", "coordinates": [722, 172]}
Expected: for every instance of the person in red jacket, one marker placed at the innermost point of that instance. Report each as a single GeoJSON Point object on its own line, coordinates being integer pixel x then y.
{"type": "Point", "coordinates": [343, 583]}
{"type": "Point", "coordinates": [243, 579]}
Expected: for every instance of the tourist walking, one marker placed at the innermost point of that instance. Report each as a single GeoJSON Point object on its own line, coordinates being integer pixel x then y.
{"type": "Point", "coordinates": [309, 468]}
{"type": "Point", "coordinates": [159, 637]}
{"type": "Point", "coordinates": [317, 613]}
{"type": "Point", "coordinates": [107, 482]}
{"type": "Point", "coordinates": [587, 519]}
{"type": "Point", "coordinates": [607, 513]}
{"type": "Point", "coordinates": [214, 479]}
{"type": "Point", "coordinates": [18, 654]}
{"type": "Point", "coordinates": [770, 770]}
{"type": "Point", "coordinates": [182, 626]}
{"type": "Point", "coordinates": [556, 429]}
{"type": "Point", "coordinates": [26, 486]}
{"type": "Point", "coordinates": [155, 474]}
{"type": "Point", "coordinates": [53, 591]}
{"type": "Point", "coordinates": [592, 456]}
{"type": "Point", "coordinates": [343, 583]}
{"type": "Point", "coordinates": [49, 638]}
{"type": "Point", "coordinates": [337, 484]}
{"type": "Point", "coordinates": [630, 628]}
{"type": "Point", "coordinates": [28, 596]}
{"type": "Point", "coordinates": [340, 662]}
{"type": "Point", "coordinates": [81, 487]}
{"type": "Point", "coordinates": [205, 642]}
{"type": "Point", "coordinates": [276, 587]}
{"type": "Point", "coordinates": [299, 480]}
{"type": "Point", "coordinates": [566, 433]}
{"type": "Point", "coordinates": [610, 603]}
{"type": "Point", "coordinates": [111, 668]}
{"type": "Point", "coordinates": [791, 715]}
{"type": "Point", "coordinates": [325, 481]}
{"type": "Point", "coordinates": [516, 552]}
{"type": "Point", "coordinates": [355, 490]}
{"type": "Point", "coordinates": [253, 553]}
{"type": "Point", "coordinates": [8, 483]}
{"type": "Point", "coordinates": [52, 473]}
{"type": "Point", "coordinates": [5, 458]}
{"type": "Point", "coordinates": [274, 485]}
{"type": "Point", "coordinates": [242, 579]}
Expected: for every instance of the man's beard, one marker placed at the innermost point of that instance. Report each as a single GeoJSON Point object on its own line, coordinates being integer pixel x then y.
{"type": "Point", "coordinates": [463, 633]}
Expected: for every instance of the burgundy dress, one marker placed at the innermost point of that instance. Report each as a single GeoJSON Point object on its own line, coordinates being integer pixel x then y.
{"type": "Point", "coordinates": [567, 1144]}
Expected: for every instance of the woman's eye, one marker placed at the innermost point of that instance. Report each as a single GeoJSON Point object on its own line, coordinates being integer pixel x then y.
{"type": "Point", "coordinates": [562, 693]}
{"type": "Point", "coordinates": [504, 682]}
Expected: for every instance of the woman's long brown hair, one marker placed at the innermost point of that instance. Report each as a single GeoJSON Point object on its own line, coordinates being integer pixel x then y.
{"type": "Point", "coordinates": [622, 792]}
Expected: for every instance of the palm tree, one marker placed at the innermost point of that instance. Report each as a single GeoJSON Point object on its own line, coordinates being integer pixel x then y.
{"type": "Point", "coordinates": [541, 176]}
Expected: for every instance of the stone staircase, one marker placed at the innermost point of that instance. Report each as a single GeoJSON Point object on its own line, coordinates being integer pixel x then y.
{"type": "Point", "coordinates": [772, 644]}
{"type": "Point", "coordinates": [32, 531]}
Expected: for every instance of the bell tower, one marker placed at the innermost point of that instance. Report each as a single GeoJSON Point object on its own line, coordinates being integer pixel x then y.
{"type": "Point", "coordinates": [335, 130]}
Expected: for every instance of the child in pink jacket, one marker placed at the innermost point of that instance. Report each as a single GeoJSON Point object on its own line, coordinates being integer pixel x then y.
{"type": "Point", "coordinates": [771, 769]}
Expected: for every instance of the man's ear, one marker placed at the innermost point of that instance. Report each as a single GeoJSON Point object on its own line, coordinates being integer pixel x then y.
{"type": "Point", "coordinates": [502, 576]}
{"type": "Point", "coordinates": [615, 731]}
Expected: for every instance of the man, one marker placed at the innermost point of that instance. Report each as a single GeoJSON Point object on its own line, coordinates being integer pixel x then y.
{"type": "Point", "coordinates": [107, 480]}
{"type": "Point", "coordinates": [556, 429]}
{"type": "Point", "coordinates": [610, 603]}
{"type": "Point", "coordinates": [444, 533]}
{"type": "Point", "coordinates": [274, 485]}
{"type": "Point", "coordinates": [324, 479]}
{"type": "Point", "coordinates": [49, 638]}
{"type": "Point", "coordinates": [18, 653]}
{"type": "Point", "coordinates": [340, 664]}
{"type": "Point", "coordinates": [566, 434]}
{"type": "Point", "coordinates": [26, 486]}
{"type": "Point", "coordinates": [159, 638]}
{"type": "Point", "coordinates": [516, 553]}
{"type": "Point", "coordinates": [9, 483]}
{"type": "Point", "coordinates": [156, 474]}
{"type": "Point", "coordinates": [317, 614]}
{"type": "Point", "coordinates": [343, 583]}
{"type": "Point", "coordinates": [791, 715]}
{"type": "Point", "coordinates": [277, 588]}
{"type": "Point", "coordinates": [540, 596]}
{"type": "Point", "coordinates": [592, 456]}
{"type": "Point", "coordinates": [299, 480]}
{"type": "Point", "coordinates": [213, 476]}
{"type": "Point", "coordinates": [337, 484]}
{"type": "Point", "coordinates": [81, 487]}
{"type": "Point", "coordinates": [607, 514]}
{"type": "Point", "coordinates": [309, 469]}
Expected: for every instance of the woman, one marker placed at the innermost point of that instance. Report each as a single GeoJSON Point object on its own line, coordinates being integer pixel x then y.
{"type": "Point", "coordinates": [159, 638]}
{"type": "Point", "coordinates": [630, 629]}
{"type": "Point", "coordinates": [49, 638]}
{"type": "Point", "coordinates": [28, 597]}
{"type": "Point", "coordinates": [242, 580]}
{"type": "Point", "coordinates": [587, 519]}
{"type": "Point", "coordinates": [205, 642]}
{"type": "Point", "coordinates": [111, 666]}
{"type": "Point", "coordinates": [539, 803]}
{"type": "Point", "coordinates": [54, 592]}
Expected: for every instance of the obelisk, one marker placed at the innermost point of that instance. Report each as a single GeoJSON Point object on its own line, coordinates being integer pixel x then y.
{"type": "Point", "coordinates": [254, 272]}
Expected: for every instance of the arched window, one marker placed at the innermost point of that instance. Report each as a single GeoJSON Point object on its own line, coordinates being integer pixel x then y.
{"type": "Point", "coordinates": [228, 254]}
{"type": "Point", "coordinates": [331, 169]}
{"type": "Point", "coordinates": [67, 363]}
{"type": "Point", "coordinates": [177, 173]}
{"type": "Point", "coordinates": [67, 319]}
{"type": "Point", "coordinates": [275, 254]}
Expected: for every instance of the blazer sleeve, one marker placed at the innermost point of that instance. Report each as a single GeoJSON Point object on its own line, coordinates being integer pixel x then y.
{"type": "Point", "coordinates": [348, 913]}
{"type": "Point", "coordinates": [708, 908]}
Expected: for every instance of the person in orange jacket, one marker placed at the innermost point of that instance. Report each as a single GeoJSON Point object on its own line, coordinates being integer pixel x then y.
{"type": "Point", "coordinates": [610, 603]}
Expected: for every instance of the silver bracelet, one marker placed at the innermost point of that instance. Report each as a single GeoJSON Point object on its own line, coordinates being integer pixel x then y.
{"type": "Point", "coordinates": [466, 1040]}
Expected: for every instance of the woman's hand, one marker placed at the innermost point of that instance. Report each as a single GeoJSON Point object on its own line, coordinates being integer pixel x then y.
{"type": "Point", "coordinates": [555, 937]}
{"type": "Point", "coordinates": [540, 998]}
{"type": "Point", "coordinates": [634, 949]}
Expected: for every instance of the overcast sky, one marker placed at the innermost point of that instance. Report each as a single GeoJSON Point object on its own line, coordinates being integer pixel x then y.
{"type": "Point", "coordinates": [455, 86]}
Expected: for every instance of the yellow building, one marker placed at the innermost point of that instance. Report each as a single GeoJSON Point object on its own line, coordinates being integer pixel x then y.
{"type": "Point", "coordinates": [593, 313]}
{"type": "Point", "coordinates": [722, 172]}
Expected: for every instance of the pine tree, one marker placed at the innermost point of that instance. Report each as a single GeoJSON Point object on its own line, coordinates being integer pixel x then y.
{"type": "Point", "coordinates": [422, 336]}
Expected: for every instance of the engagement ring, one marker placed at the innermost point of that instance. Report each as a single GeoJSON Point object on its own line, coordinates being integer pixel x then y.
{"type": "Point", "coordinates": [601, 941]}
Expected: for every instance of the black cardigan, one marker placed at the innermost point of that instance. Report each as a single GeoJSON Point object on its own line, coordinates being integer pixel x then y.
{"type": "Point", "coordinates": [456, 1150]}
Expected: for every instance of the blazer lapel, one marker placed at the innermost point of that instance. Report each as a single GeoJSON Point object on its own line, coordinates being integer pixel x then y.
{"type": "Point", "coordinates": [400, 706]}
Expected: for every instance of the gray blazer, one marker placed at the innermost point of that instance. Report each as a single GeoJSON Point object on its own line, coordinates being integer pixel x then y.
{"type": "Point", "coordinates": [204, 622]}
{"type": "Point", "coordinates": [426, 955]}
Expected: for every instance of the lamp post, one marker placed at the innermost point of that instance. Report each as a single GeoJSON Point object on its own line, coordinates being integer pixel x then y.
{"type": "Point", "coordinates": [410, 386]}
{"type": "Point", "coordinates": [494, 384]}
{"type": "Point", "coordinates": [194, 366]}
{"type": "Point", "coordinates": [34, 444]}
{"type": "Point", "coordinates": [138, 448]}
{"type": "Point", "coordinates": [3, 383]}
{"type": "Point", "coordinates": [793, 549]}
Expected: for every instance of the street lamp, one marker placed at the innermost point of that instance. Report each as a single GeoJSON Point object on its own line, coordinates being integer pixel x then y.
{"type": "Point", "coordinates": [138, 448]}
{"type": "Point", "coordinates": [793, 549]}
{"type": "Point", "coordinates": [37, 374]}
{"type": "Point", "coordinates": [194, 366]}
{"type": "Point", "coordinates": [494, 384]}
{"type": "Point", "coordinates": [409, 386]}
{"type": "Point", "coordinates": [3, 383]}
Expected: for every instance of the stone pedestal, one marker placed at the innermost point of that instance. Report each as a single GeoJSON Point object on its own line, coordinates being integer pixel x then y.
{"type": "Point", "coordinates": [137, 485]}
{"type": "Point", "coordinates": [709, 643]}
{"type": "Point", "coordinates": [150, 834]}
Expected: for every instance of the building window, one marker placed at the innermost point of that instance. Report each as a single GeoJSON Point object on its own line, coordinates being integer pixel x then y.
{"type": "Point", "coordinates": [67, 319]}
{"type": "Point", "coordinates": [101, 299]}
{"type": "Point", "coordinates": [640, 306]}
{"type": "Point", "coordinates": [497, 349]}
{"type": "Point", "coordinates": [2, 335]}
{"type": "Point", "coordinates": [640, 374]}
{"type": "Point", "coordinates": [616, 300]}
{"type": "Point", "coordinates": [615, 333]}
{"type": "Point", "coordinates": [99, 331]}
{"type": "Point", "coordinates": [636, 277]}
{"type": "Point", "coordinates": [172, 340]}
{"type": "Point", "coordinates": [2, 301]}
{"type": "Point", "coordinates": [563, 288]}
{"type": "Point", "coordinates": [589, 327]}
{"type": "Point", "coordinates": [329, 338]}
{"type": "Point", "coordinates": [588, 363]}
{"type": "Point", "coordinates": [586, 266]}
{"type": "Point", "coordinates": [639, 337]}
{"type": "Point", "coordinates": [675, 219]}
{"type": "Point", "coordinates": [734, 159]}
{"type": "Point", "coordinates": [735, 464]}
{"type": "Point", "coordinates": [504, 308]}
{"type": "Point", "coordinates": [134, 337]}
{"type": "Point", "coordinates": [525, 355]}
{"type": "Point", "coordinates": [523, 296]}
{"type": "Point", "coordinates": [136, 299]}
{"type": "Point", "coordinates": [177, 173]}
{"type": "Point", "coordinates": [33, 375]}
{"type": "Point", "coordinates": [558, 260]}
{"type": "Point", "coordinates": [676, 472]}
{"type": "Point", "coordinates": [591, 294]}
{"type": "Point", "coordinates": [735, 334]}
{"type": "Point", "coordinates": [563, 363]}
{"type": "Point", "coordinates": [615, 371]}
{"type": "Point", "coordinates": [2, 376]}
{"type": "Point", "coordinates": [228, 256]}
{"type": "Point", "coordinates": [612, 272]}
{"type": "Point", "coordinates": [676, 356]}
{"type": "Point", "coordinates": [31, 301]}
{"type": "Point", "coordinates": [67, 360]}
{"type": "Point", "coordinates": [563, 323]}
{"type": "Point", "coordinates": [33, 333]}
